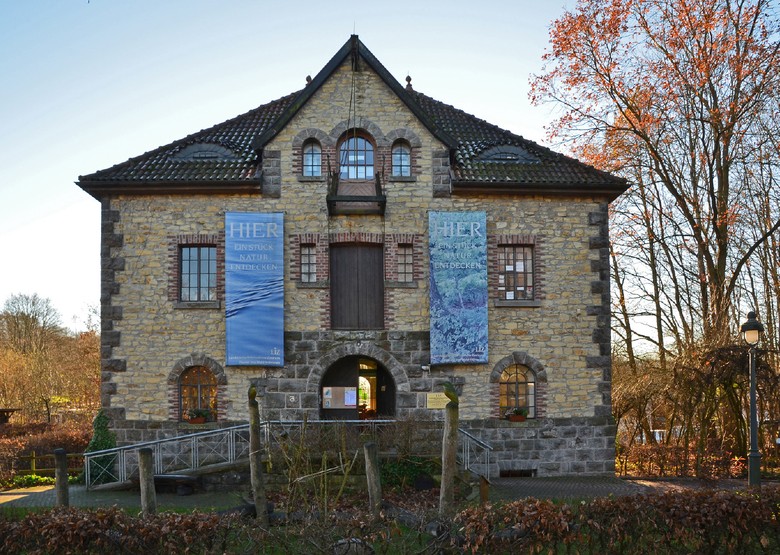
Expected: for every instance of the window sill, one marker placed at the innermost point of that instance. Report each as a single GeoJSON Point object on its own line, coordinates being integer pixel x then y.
{"type": "Point", "coordinates": [312, 284]}
{"type": "Point", "coordinates": [516, 423]}
{"type": "Point", "coordinates": [311, 178]}
{"type": "Point", "coordinates": [516, 304]}
{"type": "Point", "coordinates": [197, 305]}
{"type": "Point", "coordinates": [402, 178]}
{"type": "Point", "coordinates": [401, 284]}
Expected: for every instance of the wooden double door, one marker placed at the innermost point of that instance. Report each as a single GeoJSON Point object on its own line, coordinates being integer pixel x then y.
{"type": "Point", "coordinates": [357, 286]}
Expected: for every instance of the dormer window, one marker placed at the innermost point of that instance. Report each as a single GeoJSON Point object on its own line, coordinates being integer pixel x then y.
{"type": "Point", "coordinates": [402, 159]}
{"type": "Point", "coordinates": [312, 159]}
{"type": "Point", "coordinates": [356, 158]}
{"type": "Point", "coordinates": [508, 154]}
{"type": "Point", "coordinates": [197, 152]}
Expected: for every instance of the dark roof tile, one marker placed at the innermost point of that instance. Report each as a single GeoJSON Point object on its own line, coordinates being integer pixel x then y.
{"type": "Point", "coordinates": [535, 168]}
{"type": "Point", "coordinates": [236, 135]}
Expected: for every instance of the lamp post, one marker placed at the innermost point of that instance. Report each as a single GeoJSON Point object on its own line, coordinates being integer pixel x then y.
{"type": "Point", "coordinates": [751, 333]}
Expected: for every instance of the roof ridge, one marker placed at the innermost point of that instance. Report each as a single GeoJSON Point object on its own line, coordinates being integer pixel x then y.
{"type": "Point", "coordinates": [353, 47]}
{"type": "Point", "coordinates": [465, 137]}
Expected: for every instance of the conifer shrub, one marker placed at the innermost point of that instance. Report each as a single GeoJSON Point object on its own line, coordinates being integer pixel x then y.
{"type": "Point", "coordinates": [103, 438]}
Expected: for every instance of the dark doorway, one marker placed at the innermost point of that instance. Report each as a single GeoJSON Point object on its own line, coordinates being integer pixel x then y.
{"type": "Point", "coordinates": [357, 388]}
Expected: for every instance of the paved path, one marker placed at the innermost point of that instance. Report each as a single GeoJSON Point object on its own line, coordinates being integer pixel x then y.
{"type": "Point", "coordinates": [78, 496]}
{"type": "Point", "coordinates": [506, 489]}
{"type": "Point", "coordinates": [569, 488]}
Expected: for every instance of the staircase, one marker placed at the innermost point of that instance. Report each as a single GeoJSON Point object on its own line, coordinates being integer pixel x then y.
{"type": "Point", "coordinates": [474, 455]}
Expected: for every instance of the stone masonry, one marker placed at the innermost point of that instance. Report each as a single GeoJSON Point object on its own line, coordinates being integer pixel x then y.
{"type": "Point", "coordinates": [565, 336]}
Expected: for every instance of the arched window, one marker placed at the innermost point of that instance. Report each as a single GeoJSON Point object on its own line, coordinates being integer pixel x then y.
{"type": "Point", "coordinates": [356, 158]}
{"type": "Point", "coordinates": [198, 393]}
{"type": "Point", "coordinates": [517, 389]}
{"type": "Point", "coordinates": [402, 159]}
{"type": "Point", "coordinates": [312, 159]}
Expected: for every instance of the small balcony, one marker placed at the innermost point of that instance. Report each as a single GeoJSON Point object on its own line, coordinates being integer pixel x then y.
{"type": "Point", "coordinates": [355, 197]}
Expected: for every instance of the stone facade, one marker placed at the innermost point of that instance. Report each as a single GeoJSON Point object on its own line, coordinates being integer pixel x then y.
{"type": "Point", "coordinates": [149, 337]}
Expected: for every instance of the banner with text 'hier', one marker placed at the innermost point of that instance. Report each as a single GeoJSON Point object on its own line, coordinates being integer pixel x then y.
{"type": "Point", "coordinates": [458, 287]}
{"type": "Point", "coordinates": [254, 289]}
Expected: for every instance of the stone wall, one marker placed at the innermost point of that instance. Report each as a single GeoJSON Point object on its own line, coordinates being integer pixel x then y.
{"type": "Point", "coordinates": [549, 446]}
{"type": "Point", "coordinates": [565, 334]}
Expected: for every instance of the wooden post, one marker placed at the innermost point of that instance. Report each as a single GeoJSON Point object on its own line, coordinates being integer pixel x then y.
{"type": "Point", "coordinates": [61, 477]}
{"type": "Point", "coordinates": [371, 452]}
{"type": "Point", "coordinates": [146, 475]}
{"type": "Point", "coordinates": [256, 460]}
{"type": "Point", "coordinates": [32, 462]}
{"type": "Point", "coordinates": [449, 462]}
{"type": "Point", "coordinates": [484, 490]}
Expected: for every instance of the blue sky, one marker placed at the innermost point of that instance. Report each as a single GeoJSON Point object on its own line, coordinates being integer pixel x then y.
{"type": "Point", "coordinates": [86, 84]}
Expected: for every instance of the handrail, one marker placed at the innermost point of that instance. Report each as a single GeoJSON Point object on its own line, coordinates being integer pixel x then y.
{"type": "Point", "coordinates": [475, 439]}
{"type": "Point", "coordinates": [475, 455]}
{"type": "Point", "coordinates": [174, 454]}
{"type": "Point", "coordinates": [228, 445]}
{"type": "Point", "coordinates": [167, 439]}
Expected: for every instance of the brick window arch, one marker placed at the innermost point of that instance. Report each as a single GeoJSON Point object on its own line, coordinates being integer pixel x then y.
{"type": "Point", "coordinates": [517, 389]}
{"type": "Point", "coordinates": [516, 379]}
{"type": "Point", "coordinates": [198, 392]}
{"type": "Point", "coordinates": [196, 381]}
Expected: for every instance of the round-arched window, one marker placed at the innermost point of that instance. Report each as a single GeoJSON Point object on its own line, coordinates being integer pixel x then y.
{"type": "Point", "coordinates": [312, 159]}
{"type": "Point", "coordinates": [356, 158]}
{"type": "Point", "coordinates": [517, 389]}
{"type": "Point", "coordinates": [198, 393]}
{"type": "Point", "coordinates": [402, 159]}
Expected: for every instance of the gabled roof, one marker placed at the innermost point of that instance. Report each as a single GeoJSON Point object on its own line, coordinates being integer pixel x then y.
{"type": "Point", "coordinates": [224, 158]}
{"type": "Point", "coordinates": [353, 48]}
{"type": "Point", "coordinates": [164, 170]}
{"type": "Point", "coordinates": [534, 169]}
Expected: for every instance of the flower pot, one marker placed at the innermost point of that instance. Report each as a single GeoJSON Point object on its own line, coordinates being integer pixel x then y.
{"type": "Point", "coordinates": [516, 418]}
{"type": "Point", "coordinates": [197, 420]}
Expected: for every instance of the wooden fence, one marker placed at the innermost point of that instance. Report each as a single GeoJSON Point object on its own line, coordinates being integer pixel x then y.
{"type": "Point", "coordinates": [43, 465]}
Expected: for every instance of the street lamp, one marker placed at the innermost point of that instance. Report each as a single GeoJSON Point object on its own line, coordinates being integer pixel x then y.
{"type": "Point", "coordinates": [751, 333]}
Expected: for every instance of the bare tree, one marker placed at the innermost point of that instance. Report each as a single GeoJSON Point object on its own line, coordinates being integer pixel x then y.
{"type": "Point", "coordinates": [43, 367]}
{"type": "Point", "coordinates": [679, 94]}
{"type": "Point", "coordinates": [28, 323]}
{"type": "Point", "coordinates": [681, 98]}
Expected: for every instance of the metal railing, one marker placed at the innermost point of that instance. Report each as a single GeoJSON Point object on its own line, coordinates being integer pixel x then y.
{"type": "Point", "coordinates": [474, 454]}
{"type": "Point", "coordinates": [170, 455]}
{"type": "Point", "coordinates": [228, 445]}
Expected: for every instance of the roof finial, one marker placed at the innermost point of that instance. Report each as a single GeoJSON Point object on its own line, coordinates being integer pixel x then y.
{"type": "Point", "coordinates": [408, 83]}
{"type": "Point", "coordinates": [308, 80]}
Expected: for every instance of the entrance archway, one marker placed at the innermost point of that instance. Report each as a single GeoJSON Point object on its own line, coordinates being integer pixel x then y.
{"type": "Point", "coordinates": [357, 387]}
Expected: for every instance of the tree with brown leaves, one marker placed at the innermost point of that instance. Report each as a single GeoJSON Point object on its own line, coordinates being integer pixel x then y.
{"type": "Point", "coordinates": [681, 98]}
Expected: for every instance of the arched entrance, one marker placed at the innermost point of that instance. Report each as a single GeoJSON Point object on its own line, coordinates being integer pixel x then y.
{"type": "Point", "coordinates": [357, 387]}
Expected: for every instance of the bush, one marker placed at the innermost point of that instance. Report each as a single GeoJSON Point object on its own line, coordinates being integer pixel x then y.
{"type": "Point", "coordinates": [677, 460]}
{"type": "Point", "coordinates": [101, 468]}
{"type": "Point", "coordinates": [704, 521]}
{"type": "Point", "coordinates": [20, 440]}
{"type": "Point", "coordinates": [31, 481]}
{"type": "Point", "coordinates": [403, 472]}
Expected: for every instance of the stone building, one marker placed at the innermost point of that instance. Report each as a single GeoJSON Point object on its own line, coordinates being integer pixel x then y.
{"type": "Point", "coordinates": [347, 249]}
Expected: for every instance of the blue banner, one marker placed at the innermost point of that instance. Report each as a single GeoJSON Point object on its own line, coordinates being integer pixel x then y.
{"type": "Point", "coordinates": [458, 287]}
{"type": "Point", "coordinates": [254, 289]}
